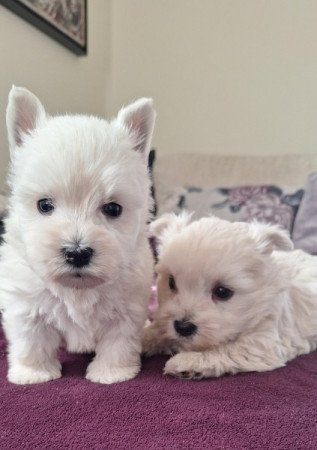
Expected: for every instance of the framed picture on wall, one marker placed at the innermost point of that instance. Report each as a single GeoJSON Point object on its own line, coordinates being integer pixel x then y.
{"type": "Point", "coordinates": [63, 20]}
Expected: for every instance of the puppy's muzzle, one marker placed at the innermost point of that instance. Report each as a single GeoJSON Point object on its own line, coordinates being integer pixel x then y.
{"type": "Point", "coordinates": [78, 257]}
{"type": "Point", "coordinates": [185, 328]}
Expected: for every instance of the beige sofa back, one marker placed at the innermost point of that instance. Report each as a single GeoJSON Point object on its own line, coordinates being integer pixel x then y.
{"type": "Point", "coordinates": [228, 171]}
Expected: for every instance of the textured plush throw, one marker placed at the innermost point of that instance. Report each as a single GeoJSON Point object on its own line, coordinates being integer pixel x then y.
{"type": "Point", "coordinates": [276, 410]}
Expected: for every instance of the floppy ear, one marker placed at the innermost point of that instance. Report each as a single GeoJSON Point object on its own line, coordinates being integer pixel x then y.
{"type": "Point", "coordinates": [24, 113]}
{"type": "Point", "coordinates": [270, 237]}
{"type": "Point", "coordinates": [139, 119]}
{"type": "Point", "coordinates": [169, 224]}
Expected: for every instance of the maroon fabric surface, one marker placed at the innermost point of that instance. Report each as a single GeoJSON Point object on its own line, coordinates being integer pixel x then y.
{"type": "Point", "coordinates": [276, 410]}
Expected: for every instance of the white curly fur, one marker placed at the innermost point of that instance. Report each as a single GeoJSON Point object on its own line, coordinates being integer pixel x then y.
{"type": "Point", "coordinates": [271, 317]}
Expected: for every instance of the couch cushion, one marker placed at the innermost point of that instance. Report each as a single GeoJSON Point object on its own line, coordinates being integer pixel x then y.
{"type": "Point", "coordinates": [305, 225]}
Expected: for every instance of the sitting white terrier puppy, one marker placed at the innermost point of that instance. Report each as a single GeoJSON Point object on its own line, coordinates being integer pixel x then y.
{"type": "Point", "coordinates": [229, 300]}
{"type": "Point", "coordinates": [76, 266]}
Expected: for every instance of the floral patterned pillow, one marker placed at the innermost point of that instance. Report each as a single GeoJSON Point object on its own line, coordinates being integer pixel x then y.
{"type": "Point", "coordinates": [269, 204]}
{"type": "Point", "coordinates": [305, 225]}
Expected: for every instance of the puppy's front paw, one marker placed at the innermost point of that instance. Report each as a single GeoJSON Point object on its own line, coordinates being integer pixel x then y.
{"type": "Point", "coordinates": [185, 365]}
{"type": "Point", "coordinates": [19, 374]}
{"type": "Point", "coordinates": [99, 372]}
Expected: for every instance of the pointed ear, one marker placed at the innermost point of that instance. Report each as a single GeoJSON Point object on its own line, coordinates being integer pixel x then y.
{"type": "Point", "coordinates": [139, 118]}
{"type": "Point", "coordinates": [24, 113]}
{"type": "Point", "coordinates": [270, 237]}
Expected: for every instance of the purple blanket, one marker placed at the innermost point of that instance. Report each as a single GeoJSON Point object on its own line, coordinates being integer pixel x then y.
{"type": "Point", "coordinates": [275, 410]}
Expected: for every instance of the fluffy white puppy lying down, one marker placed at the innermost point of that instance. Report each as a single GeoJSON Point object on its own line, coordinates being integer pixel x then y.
{"type": "Point", "coordinates": [232, 297]}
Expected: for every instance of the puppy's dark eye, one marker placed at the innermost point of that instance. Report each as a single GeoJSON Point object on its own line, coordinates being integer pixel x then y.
{"type": "Point", "coordinates": [112, 209]}
{"type": "Point", "coordinates": [172, 284]}
{"type": "Point", "coordinates": [222, 293]}
{"type": "Point", "coordinates": [45, 205]}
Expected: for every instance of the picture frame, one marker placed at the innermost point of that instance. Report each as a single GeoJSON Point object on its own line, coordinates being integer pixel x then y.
{"type": "Point", "coordinates": [63, 20]}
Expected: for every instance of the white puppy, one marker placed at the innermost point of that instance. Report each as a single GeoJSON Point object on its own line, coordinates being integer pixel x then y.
{"type": "Point", "coordinates": [229, 300]}
{"type": "Point", "coordinates": [76, 266]}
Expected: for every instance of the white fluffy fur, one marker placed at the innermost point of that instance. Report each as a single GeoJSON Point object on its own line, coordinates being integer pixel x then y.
{"type": "Point", "coordinates": [270, 319]}
{"type": "Point", "coordinates": [81, 163]}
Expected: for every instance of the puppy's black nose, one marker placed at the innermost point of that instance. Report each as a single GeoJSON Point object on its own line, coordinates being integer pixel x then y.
{"type": "Point", "coordinates": [185, 328]}
{"type": "Point", "coordinates": [78, 257]}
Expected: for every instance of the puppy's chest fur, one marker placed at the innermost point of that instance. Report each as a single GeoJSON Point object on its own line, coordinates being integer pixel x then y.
{"type": "Point", "coordinates": [80, 317]}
